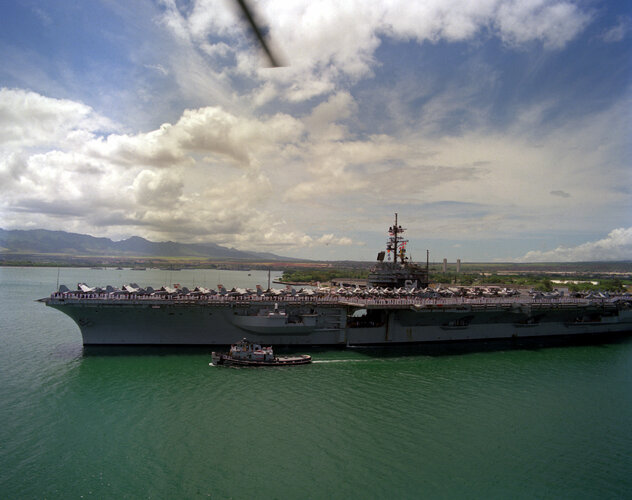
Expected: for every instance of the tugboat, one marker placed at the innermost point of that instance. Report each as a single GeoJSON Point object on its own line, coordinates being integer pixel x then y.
{"type": "Point", "coordinates": [246, 353]}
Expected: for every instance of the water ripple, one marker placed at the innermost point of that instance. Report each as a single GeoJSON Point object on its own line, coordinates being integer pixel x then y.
{"type": "Point", "coordinates": [141, 423]}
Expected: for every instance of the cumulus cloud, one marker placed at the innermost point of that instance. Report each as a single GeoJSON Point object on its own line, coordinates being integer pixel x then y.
{"type": "Point", "coordinates": [29, 119]}
{"type": "Point", "coordinates": [176, 182]}
{"type": "Point", "coordinates": [162, 188]}
{"type": "Point", "coordinates": [277, 236]}
{"type": "Point", "coordinates": [225, 176]}
{"type": "Point", "coordinates": [180, 181]}
{"type": "Point", "coordinates": [329, 42]}
{"type": "Point", "coordinates": [616, 246]}
{"type": "Point", "coordinates": [208, 130]}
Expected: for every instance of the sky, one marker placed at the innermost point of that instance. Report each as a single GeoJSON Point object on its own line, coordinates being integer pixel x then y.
{"type": "Point", "coordinates": [497, 130]}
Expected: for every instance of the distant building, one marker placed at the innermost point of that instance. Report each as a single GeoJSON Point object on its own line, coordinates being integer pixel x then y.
{"type": "Point", "coordinates": [458, 265]}
{"type": "Point", "coordinates": [445, 265]}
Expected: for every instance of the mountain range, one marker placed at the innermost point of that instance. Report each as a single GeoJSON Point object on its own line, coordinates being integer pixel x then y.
{"type": "Point", "coordinates": [43, 241]}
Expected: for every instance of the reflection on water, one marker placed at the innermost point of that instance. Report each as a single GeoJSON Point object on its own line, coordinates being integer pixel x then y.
{"type": "Point", "coordinates": [494, 345]}
{"type": "Point", "coordinates": [138, 350]}
{"type": "Point", "coordinates": [397, 351]}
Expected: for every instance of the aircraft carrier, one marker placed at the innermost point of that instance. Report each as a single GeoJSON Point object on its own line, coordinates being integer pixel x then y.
{"type": "Point", "coordinates": [396, 307]}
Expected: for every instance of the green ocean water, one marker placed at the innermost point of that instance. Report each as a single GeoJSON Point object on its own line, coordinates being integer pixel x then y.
{"type": "Point", "coordinates": [483, 422]}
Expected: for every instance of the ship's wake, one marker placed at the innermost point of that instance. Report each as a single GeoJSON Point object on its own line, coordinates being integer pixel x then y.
{"type": "Point", "coordinates": [342, 361]}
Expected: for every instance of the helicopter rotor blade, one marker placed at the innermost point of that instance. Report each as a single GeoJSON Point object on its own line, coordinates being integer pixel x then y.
{"type": "Point", "coordinates": [274, 61]}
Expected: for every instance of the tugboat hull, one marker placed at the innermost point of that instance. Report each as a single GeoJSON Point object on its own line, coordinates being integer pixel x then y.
{"type": "Point", "coordinates": [225, 360]}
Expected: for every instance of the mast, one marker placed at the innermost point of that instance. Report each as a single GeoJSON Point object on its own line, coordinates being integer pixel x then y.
{"type": "Point", "coordinates": [394, 240]}
{"type": "Point", "coordinates": [427, 262]}
{"type": "Point", "coordinates": [396, 243]}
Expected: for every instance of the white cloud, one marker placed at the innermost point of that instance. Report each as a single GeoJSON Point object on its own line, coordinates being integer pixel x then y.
{"type": "Point", "coordinates": [330, 43]}
{"type": "Point", "coordinates": [331, 239]}
{"type": "Point", "coordinates": [207, 130]}
{"type": "Point", "coordinates": [158, 67]}
{"type": "Point", "coordinates": [554, 23]}
{"type": "Point", "coordinates": [277, 236]}
{"type": "Point", "coordinates": [176, 182]}
{"type": "Point", "coordinates": [456, 146]}
{"type": "Point", "coordinates": [616, 246]}
{"type": "Point", "coordinates": [28, 119]}
{"type": "Point", "coordinates": [162, 188]}
{"type": "Point", "coordinates": [323, 120]}
{"type": "Point", "coordinates": [618, 32]}
{"type": "Point", "coordinates": [315, 161]}
{"type": "Point", "coordinates": [229, 177]}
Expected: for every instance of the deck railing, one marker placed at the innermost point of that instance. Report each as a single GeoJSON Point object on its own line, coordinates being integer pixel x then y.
{"type": "Point", "coordinates": [358, 302]}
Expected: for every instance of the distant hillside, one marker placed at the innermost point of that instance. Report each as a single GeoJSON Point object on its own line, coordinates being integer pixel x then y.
{"type": "Point", "coordinates": [42, 241]}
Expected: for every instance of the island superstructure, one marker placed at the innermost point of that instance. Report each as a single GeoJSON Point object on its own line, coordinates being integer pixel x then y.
{"type": "Point", "coordinates": [400, 272]}
{"type": "Point", "coordinates": [396, 307]}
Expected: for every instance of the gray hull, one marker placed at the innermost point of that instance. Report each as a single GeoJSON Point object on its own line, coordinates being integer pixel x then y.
{"type": "Point", "coordinates": [309, 322]}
